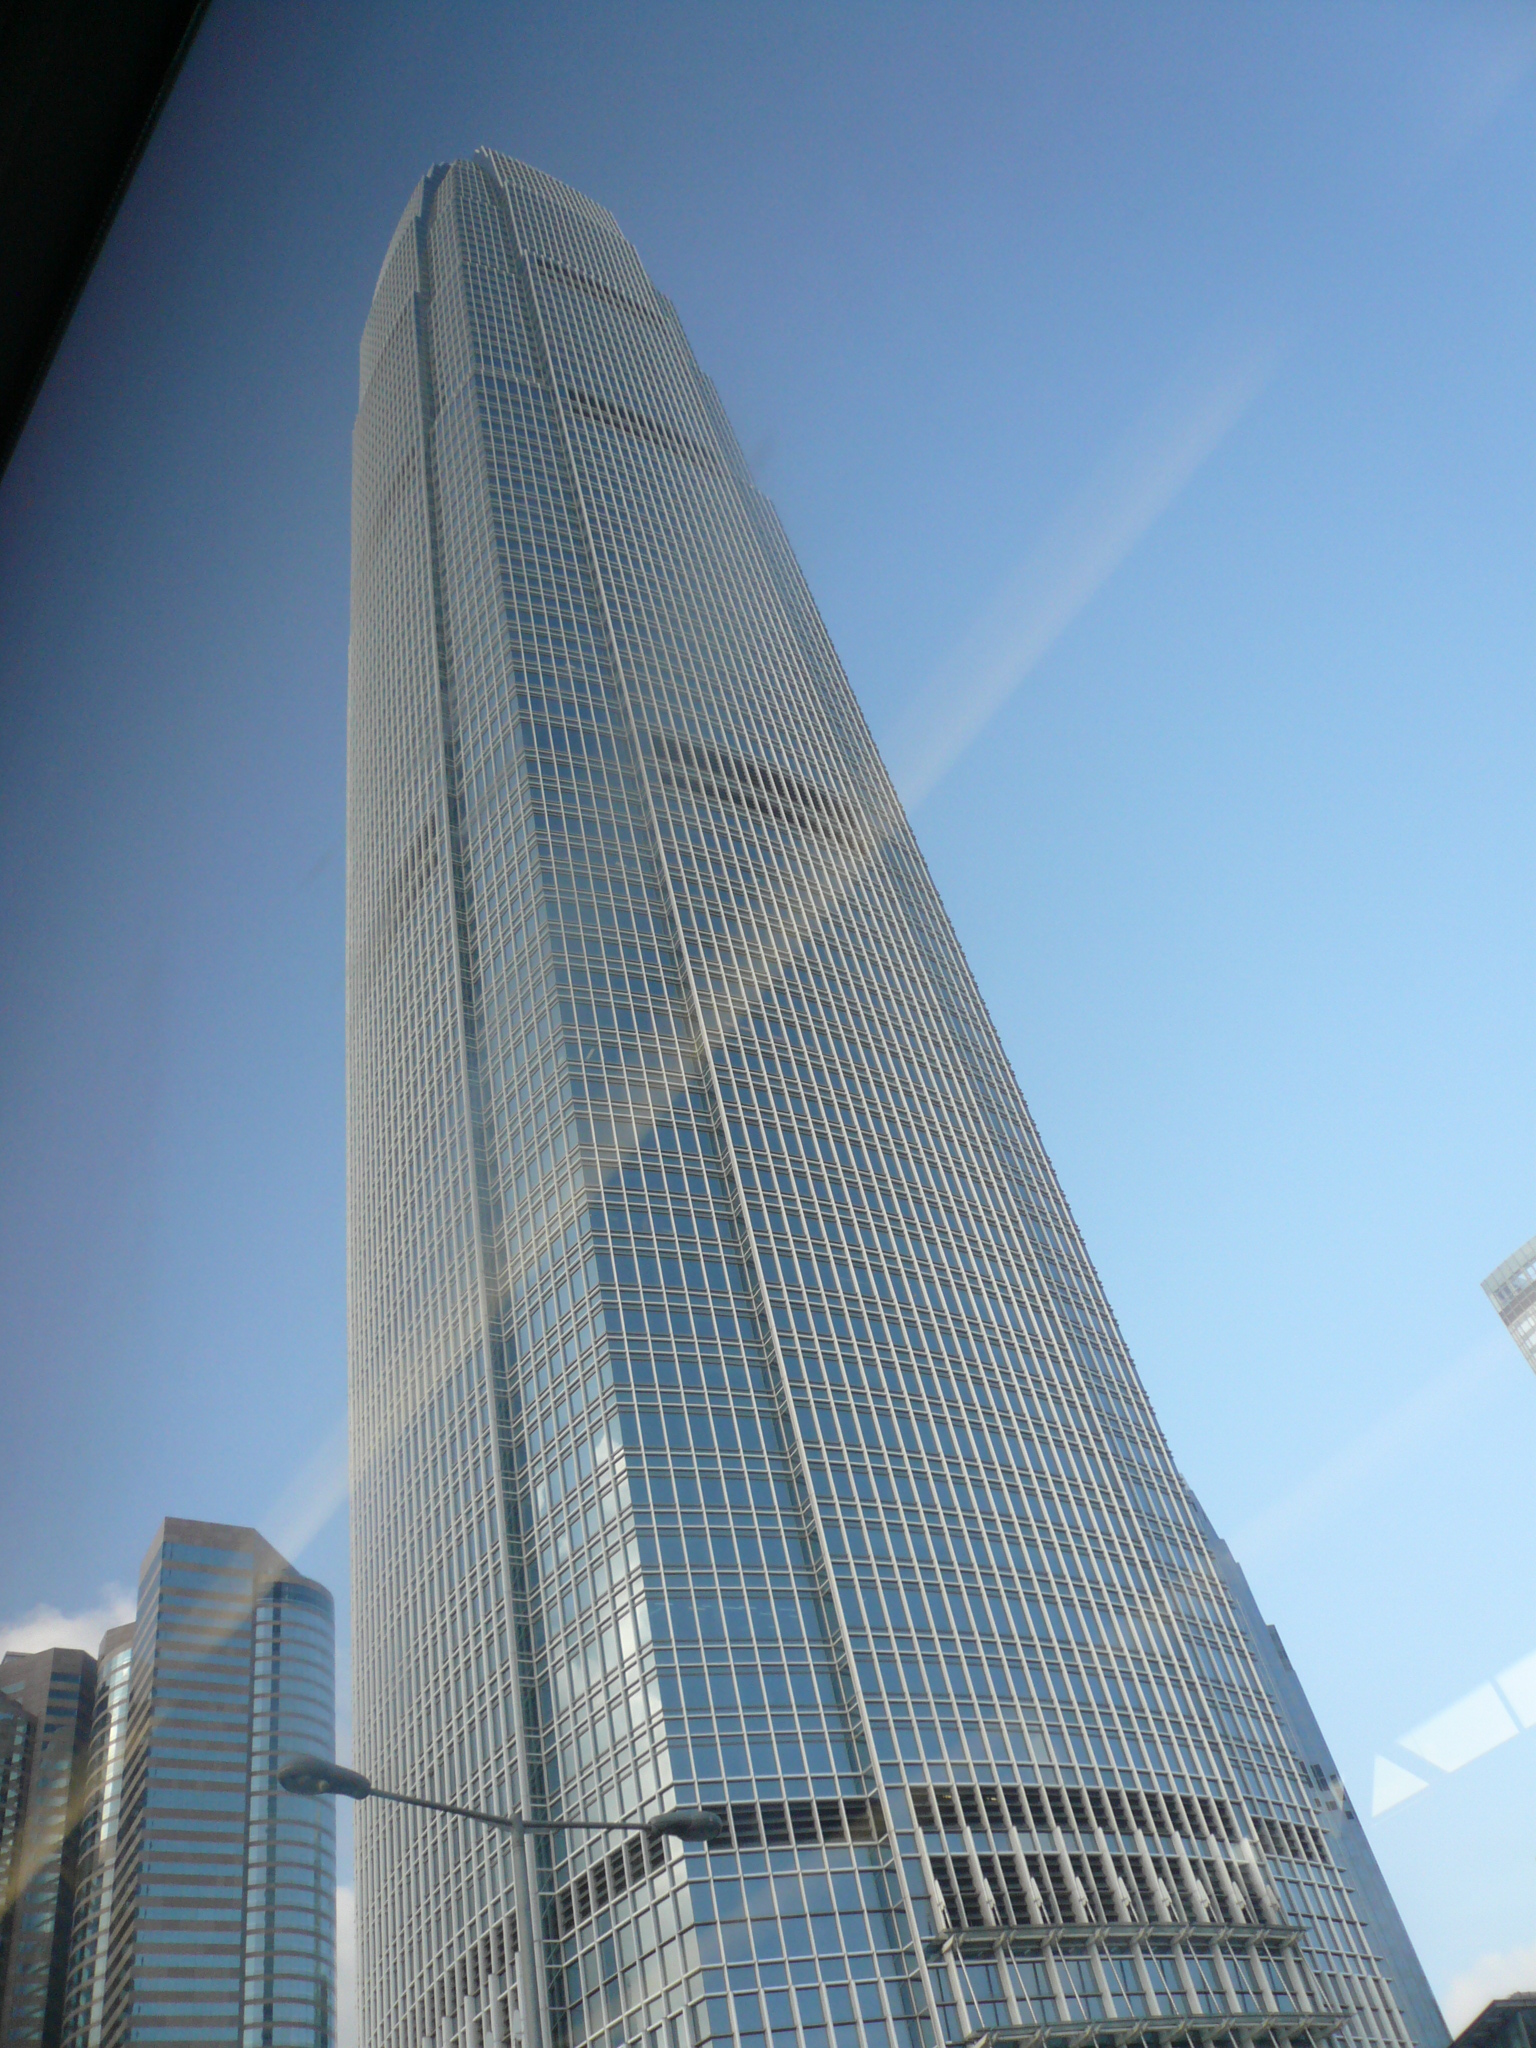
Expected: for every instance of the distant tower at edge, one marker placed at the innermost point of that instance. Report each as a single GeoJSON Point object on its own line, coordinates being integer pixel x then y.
{"type": "Point", "coordinates": [1512, 1290]}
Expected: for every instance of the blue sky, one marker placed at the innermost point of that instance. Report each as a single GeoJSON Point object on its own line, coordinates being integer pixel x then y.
{"type": "Point", "coordinates": [1148, 391]}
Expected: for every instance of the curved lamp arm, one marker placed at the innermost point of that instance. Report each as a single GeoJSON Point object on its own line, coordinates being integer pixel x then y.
{"type": "Point", "coordinates": [317, 1778]}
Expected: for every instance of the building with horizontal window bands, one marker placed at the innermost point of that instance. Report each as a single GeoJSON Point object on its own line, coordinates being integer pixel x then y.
{"type": "Point", "coordinates": [48, 1697]}
{"type": "Point", "coordinates": [220, 1921]}
{"type": "Point", "coordinates": [736, 1414]}
{"type": "Point", "coordinates": [1333, 1810]}
{"type": "Point", "coordinates": [1512, 1290]}
{"type": "Point", "coordinates": [86, 1985]}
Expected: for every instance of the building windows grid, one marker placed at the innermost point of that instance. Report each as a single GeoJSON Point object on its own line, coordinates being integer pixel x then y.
{"type": "Point", "coordinates": [200, 1838]}
{"type": "Point", "coordinates": [736, 1413]}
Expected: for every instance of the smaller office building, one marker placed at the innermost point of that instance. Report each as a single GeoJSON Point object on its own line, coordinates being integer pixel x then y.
{"type": "Point", "coordinates": [155, 1885]}
{"type": "Point", "coordinates": [47, 1700]}
{"type": "Point", "coordinates": [222, 1925]}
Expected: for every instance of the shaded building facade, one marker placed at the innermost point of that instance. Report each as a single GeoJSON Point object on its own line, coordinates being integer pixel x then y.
{"type": "Point", "coordinates": [15, 1752]}
{"type": "Point", "coordinates": [736, 1414]}
{"type": "Point", "coordinates": [48, 1698]}
{"type": "Point", "coordinates": [215, 1919]}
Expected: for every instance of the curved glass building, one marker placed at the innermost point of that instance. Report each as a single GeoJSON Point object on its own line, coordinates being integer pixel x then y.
{"type": "Point", "coordinates": [211, 1914]}
{"type": "Point", "coordinates": [737, 1418]}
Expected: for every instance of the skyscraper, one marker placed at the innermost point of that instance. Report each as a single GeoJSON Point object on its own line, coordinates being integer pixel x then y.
{"type": "Point", "coordinates": [220, 1921]}
{"type": "Point", "coordinates": [85, 1992]}
{"type": "Point", "coordinates": [736, 1414]}
{"type": "Point", "coordinates": [1511, 1288]}
{"type": "Point", "coordinates": [54, 1691]}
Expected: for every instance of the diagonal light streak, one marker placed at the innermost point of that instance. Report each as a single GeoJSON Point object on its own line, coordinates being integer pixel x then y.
{"type": "Point", "coordinates": [1072, 561]}
{"type": "Point", "coordinates": [310, 1499]}
{"type": "Point", "coordinates": [1392, 1441]}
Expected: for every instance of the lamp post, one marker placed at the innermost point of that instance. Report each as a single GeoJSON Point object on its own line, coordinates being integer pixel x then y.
{"type": "Point", "coordinates": [318, 1778]}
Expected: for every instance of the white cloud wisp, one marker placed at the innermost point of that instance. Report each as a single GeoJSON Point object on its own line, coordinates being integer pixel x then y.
{"type": "Point", "coordinates": [49, 1628]}
{"type": "Point", "coordinates": [1491, 1976]}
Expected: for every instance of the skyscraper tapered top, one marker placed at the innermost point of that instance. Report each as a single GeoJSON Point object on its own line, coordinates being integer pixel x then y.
{"type": "Point", "coordinates": [736, 1414]}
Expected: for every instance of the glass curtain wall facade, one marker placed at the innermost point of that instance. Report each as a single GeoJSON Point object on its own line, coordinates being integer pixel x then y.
{"type": "Point", "coordinates": [222, 1919]}
{"type": "Point", "coordinates": [56, 1690]}
{"type": "Point", "coordinates": [87, 1983]}
{"type": "Point", "coordinates": [736, 1414]}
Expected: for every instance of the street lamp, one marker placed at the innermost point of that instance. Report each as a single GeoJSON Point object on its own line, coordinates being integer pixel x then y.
{"type": "Point", "coordinates": [317, 1778]}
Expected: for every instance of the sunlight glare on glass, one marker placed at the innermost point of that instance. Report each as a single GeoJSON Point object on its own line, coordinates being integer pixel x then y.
{"type": "Point", "coordinates": [1391, 1785]}
{"type": "Point", "coordinates": [1518, 1685]}
{"type": "Point", "coordinates": [1462, 1732]}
